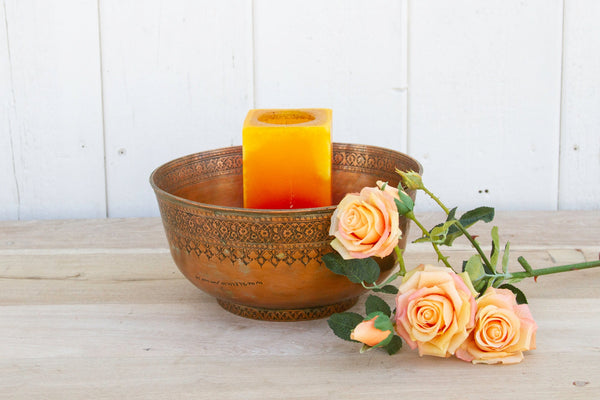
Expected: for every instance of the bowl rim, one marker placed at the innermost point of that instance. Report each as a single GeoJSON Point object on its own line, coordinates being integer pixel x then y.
{"type": "Point", "coordinates": [258, 211]}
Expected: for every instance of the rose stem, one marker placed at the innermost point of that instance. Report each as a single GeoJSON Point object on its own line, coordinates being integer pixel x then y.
{"type": "Point", "coordinates": [402, 271]}
{"type": "Point", "coordinates": [441, 257]}
{"type": "Point", "coordinates": [530, 273]}
{"type": "Point", "coordinates": [460, 227]}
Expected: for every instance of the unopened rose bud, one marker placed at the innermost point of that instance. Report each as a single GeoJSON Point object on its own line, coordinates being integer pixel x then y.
{"type": "Point", "coordinates": [366, 333]}
{"type": "Point", "coordinates": [411, 179]}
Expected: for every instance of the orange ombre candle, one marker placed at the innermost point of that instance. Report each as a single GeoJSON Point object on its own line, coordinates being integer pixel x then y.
{"type": "Point", "coordinates": [287, 158]}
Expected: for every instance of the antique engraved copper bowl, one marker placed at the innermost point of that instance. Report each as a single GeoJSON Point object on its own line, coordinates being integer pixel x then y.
{"type": "Point", "coordinates": [264, 264]}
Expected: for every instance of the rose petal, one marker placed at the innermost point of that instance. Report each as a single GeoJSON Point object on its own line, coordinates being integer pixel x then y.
{"type": "Point", "coordinates": [434, 310]}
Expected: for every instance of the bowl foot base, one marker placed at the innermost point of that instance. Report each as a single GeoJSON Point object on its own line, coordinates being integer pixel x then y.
{"type": "Point", "coordinates": [298, 314]}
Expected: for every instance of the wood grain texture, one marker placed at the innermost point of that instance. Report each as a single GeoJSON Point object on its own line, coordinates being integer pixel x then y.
{"type": "Point", "coordinates": [345, 55]}
{"type": "Point", "coordinates": [177, 79]}
{"type": "Point", "coordinates": [52, 148]}
{"type": "Point", "coordinates": [97, 309]}
{"type": "Point", "coordinates": [580, 140]}
{"type": "Point", "coordinates": [484, 100]}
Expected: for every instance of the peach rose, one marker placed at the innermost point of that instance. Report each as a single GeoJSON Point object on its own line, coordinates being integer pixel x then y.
{"type": "Point", "coordinates": [435, 310]}
{"type": "Point", "coordinates": [366, 224]}
{"type": "Point", "coordinates": [366, 333]}
{"type": "Point", "coordinates": [503, 330]}
{"type": "Point", "coordinates": [392, 191]}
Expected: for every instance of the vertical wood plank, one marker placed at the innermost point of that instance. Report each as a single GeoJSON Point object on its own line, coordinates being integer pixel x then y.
{"type": "Point", "coordinates": [9, 200]}
{"type": "Point", "coordinates": [484, 100]}
{"type": "Point", "coordinates": [177, 79]}
{"type": "Point", "coordinates": [580, 139]}
{"type": "Point", "coordinates": [343, 55]}
{"type": "Point", "coordinates": [55, 117]}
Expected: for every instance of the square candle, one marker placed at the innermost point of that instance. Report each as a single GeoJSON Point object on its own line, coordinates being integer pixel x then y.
{"type": "Point", "coordinates": [287, 158]}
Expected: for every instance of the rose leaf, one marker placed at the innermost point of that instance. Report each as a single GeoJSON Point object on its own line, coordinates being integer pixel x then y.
{"type": "Point", "coordinates": [520, 296]}
{"type": "Point", "coordinates": [361, 270]}
{"type": "Point", "coordinates": [485, 214]}
{"type": "Point", "coordinates": [505, 258]}
{"type": "Point", "coordinates": [495, 247]}
{"type": "Point", "coordinates": [342, 324]}
{"type": "Point", "coordinates": [334, 262]}
{"type": "Point", "coordinates": [388, 289]}
{"type": "Point", "coordinates": [356, 270]}
{"type": "Point", "coordinates": [376, 303]}
{"type": "Point", "coordinates": [394, 345]}
{"type": "Point", "coordinates": [474, 267]}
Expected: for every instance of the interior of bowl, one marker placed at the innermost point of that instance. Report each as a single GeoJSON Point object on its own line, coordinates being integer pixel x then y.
{"type": "Point", "coordinates": [214, 178]}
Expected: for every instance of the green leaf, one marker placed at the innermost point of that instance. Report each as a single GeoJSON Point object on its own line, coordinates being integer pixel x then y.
{"type": "Point", "coordinates": [521, 299]}
{"type": "Point", "coordinates": [394, 345]}
{"type": "Point", "coordinates": [505, 258]}
{"type": "Point", "coordinates": [365, 348]}
{"type": "Point", "coordinates": [495, 247]}
{"type": "Point", "coordinates": [334, 262]}
{"type": "Point", "coordinates": [485, 214]}
{"type": "Point", "coordinates": [405, 204]}
{"type": "Point", "coordinates": [438, 233]}
{"type": "Point", "coordinates": [342, 324]}
{"type": "Point", "coordinates": [362, 270]}
{"type": "Point", "coordinates": [452, 214]}
{"type": "Point", "coordinates": [375, 303]}
{"type": "Point", "coordinates": [513, 280]}
{"type": "Point", "coordinates": [474, 267]}
{"type": "Point", "coordinates": [383, 322]}
{"type": "Point", "coordinates": [356, 270]}
{"type": "Point", "coordinates": [388, 289]}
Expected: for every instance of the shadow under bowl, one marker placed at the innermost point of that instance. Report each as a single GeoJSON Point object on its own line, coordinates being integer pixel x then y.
{"type": "Point", "coordinates": [265, 264]}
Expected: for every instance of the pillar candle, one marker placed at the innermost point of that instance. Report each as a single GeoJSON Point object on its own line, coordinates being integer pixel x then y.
{"type": "Point", "coordinates": [287, 158]}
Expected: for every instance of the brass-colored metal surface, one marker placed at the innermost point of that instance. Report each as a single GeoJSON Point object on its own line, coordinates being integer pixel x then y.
{"type": "Point", "coordinates": [266, 260]}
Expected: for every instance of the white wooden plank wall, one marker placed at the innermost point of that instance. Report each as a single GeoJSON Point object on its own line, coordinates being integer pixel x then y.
{"type": "Point", "coordinates": [9, 200]}
{"type": "Point", "coordinates": [345, 55]}
{"type": "Point", "coordinates": [580, 140]}
{"type": "Point", "coordinates": [52, 151]}
{"type": "Point", "coordinates": [484, 100]}
{"type": "Point", "coordinates": [177, 79]}
{"type": "Point", "coordinates": [498, 99]}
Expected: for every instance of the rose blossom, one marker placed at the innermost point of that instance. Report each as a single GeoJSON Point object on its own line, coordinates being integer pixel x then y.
{"type": "Point", "coordinates": [366, 224]}
{"type": "Point", "coordinates": [392, 191]}
{"type": "Point", "coordinates": [503, 330]}
{"type": "Point", "coordinates": [435, 310]}
{"type": "Point", "coordinates": [367, 333]}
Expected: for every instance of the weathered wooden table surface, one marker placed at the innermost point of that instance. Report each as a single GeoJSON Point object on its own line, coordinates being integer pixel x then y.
{"type": "Point", "coordinates": [97, 309]}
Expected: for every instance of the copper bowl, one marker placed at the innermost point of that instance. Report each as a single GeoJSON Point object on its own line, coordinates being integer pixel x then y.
{"type": "Point", "coordinates": [264, 264]}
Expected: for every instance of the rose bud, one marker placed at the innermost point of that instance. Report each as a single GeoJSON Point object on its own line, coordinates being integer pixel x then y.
{"type": "Point", "coordinates": [367, 333]}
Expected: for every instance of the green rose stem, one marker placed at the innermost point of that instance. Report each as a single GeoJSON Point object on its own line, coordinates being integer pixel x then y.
{"type": "Point", "coordinates": [410, 215]}
{"type": "Point", "coordinates": [413, 181]}
{"type": "Point", "coordinates": [515, 276]}
{"type": "Point", "coordinates": [460, 228]}
{"type": "Point", "coordinates": [532, 273]}
{"type": "Point", "coordinates": [393, 277]}
{"type": "Point", "coordinates": [399, 252]}
{"type": "Point", "coordinates": [496, 279]}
